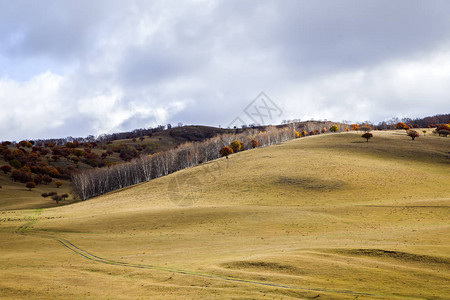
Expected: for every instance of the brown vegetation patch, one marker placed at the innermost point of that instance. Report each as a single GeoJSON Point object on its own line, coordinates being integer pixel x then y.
{"type": "Point", "coordinates": [262, 266]}
{"type": "Point", "coordinates": [310, 183]}
{"type": "Point", "coordinates": [404, 256]}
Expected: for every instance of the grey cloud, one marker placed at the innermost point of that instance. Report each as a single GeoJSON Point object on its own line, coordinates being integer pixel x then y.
{"type": "Point", "coordinates": [203, 61]}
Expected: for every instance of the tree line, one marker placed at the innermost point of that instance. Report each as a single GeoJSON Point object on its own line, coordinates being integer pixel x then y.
{"type": "Point", "coordinates": [95, 182]}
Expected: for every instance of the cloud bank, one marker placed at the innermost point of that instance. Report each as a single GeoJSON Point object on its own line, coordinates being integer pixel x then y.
{"type": "Point", "coordinates": [75, 68]}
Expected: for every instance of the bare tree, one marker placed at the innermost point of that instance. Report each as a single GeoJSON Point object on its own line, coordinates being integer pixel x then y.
{"type": "Point", "coordinates": [94, 182]}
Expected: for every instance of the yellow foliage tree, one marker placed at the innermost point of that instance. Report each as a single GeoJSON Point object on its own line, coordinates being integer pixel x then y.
{"type": "Point", "coordinates": [236, 146]}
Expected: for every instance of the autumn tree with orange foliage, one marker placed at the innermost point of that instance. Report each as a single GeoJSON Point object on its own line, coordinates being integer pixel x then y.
{"type": "Point", "coordinates": [401, 125]}
{"type": "Point", "coordinates": [225, 151]}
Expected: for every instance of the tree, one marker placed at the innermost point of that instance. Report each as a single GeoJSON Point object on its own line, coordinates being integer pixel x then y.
{"type": "Point", "coordinates": [324, 130]}
{"type": "Point", "coordinates": [365, 128]}
{"type": "Point", "coordinates": [312, 133]}
{"type": "Point", "coordinates": [47, 179]}
{"type": "Point", "coordinates": [225, 151]}
{"type": "Point", "coordinates": [254, 143]}
{"type": "Point", "coordinates": [21, 176]}
{"type": "Point", "coordinates": [424, 132]}
{"type": "Point", "coordinates": [45, 195]}
{"type": "Point", "coordinates": [346, 129]}
{"type": "Point", "coordinates": [367, 136]}
{"type": "Point", "coordinates": [334, 128]}
{"type": "Point", "coordinates": [37, 179]}
{"type": "Point", "coordinates": [58, 183]}
{"type": "Point", "coordinates": [303, 133]}
{"type": "Point", "coordinates": [354, 127]}
{"type": "Point", "coordinates": [297, 134]}
{"type": "Point", "coordinates": [30, 185]}
{"type": "Point", "coordinates": [401, 125]}
{"type": "Point", "coordinates": [56, 198]}
{"type": "Point", "coordinates": [5, 169]}
{"type": "Point", "coordinates": [64, 196]}
{"type": "Point", "coordinates": [413, 134]}
{"type": "Point", "coordinates": [236, 146]}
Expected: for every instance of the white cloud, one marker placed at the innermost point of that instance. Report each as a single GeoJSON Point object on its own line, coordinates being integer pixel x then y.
{"type": "Point", "coordinates": [114, 65]}
{"type": "Point", "coordinates": [401, 88]}
{"type": "Point", "coordinates": [31, 107]}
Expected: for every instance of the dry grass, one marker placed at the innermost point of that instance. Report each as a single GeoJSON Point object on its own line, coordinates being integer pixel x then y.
{"type": "Point", "coordinates": [14, 195]}
{"type": "Point", "coordinates": [328, 215]}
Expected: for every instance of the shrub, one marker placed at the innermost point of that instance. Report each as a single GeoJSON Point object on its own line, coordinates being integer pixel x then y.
{"type": "Point", "coordinates": [236, 146]}
{"type": "Point", "coordinates": [21, 176]}
{"type": "Point", "coordinates": [346, 129]}
{"type": "Point", "coordinates": [5, 169]}
{"type": "Point", "coordinates": [312, 133]}
{"type": "Point", "coordinates": [324, 130]}
{"type": "Point", "coordinates": [45, 195]}
{"type": "Point", "coordinates": [367, 136]}
{"type": "Point", "coordinates": [64, 196]}
{"type": "Point", "coordinates": [30, 185]}
{"type": "Point", "coordinates": [297, 134]}
{"type": "Point", "coordinates": [254, 143]}
{"type": "Point", "coordinates": [15, 163]}
{"type": "Point", "coordinates": [303, 133]}
{"type": "Point", "coordinates": [413, 134]}
{"type": "Point", "coordinates": [37, 179]}
{"type": "Point", "coordinates": [225, 151]}
{"type": "Point", "coordinates": [25, 144]}
{"type": "Point", "coordinates": [58, 184]}
{"type": "Point", "coordinates": [334, 128]}
{"type": "Point", "coordinates": [443, 132]}
{"type": "Point", "coordinates": [78, 152]}
{"type": "Point", "coordinates": [47, 179]}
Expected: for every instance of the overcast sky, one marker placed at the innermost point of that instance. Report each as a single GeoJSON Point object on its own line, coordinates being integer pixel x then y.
{"type": "Point", "coordinates": [74, 68]}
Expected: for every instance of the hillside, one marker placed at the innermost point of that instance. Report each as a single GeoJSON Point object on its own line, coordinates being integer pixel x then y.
{"type": "Point", "coordinates": [59, 161]}
{"type": "Point", "coordinates": [328, 216]}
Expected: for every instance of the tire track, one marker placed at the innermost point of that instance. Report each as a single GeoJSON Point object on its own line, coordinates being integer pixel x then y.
{"type": "Point", "coordinates": [21, 230]}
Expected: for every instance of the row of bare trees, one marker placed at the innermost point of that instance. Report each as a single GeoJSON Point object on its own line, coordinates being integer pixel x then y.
{"type": "Point", "coordinates": [95, 182]}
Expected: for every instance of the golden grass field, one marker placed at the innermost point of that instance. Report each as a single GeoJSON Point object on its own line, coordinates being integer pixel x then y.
{"type": "Point", "coordinates": [324, 217]}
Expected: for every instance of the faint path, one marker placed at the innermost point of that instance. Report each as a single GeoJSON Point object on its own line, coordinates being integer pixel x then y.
{"type": "Point", "coordinates": [67, 244]}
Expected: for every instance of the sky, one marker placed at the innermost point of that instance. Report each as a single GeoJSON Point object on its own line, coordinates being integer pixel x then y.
{"type": "Point", "coordinates": [76, 68]}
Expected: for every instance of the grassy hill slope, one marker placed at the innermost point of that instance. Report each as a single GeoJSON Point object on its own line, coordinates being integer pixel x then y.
{"type": "Point", "coordinates": [327, 215]}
